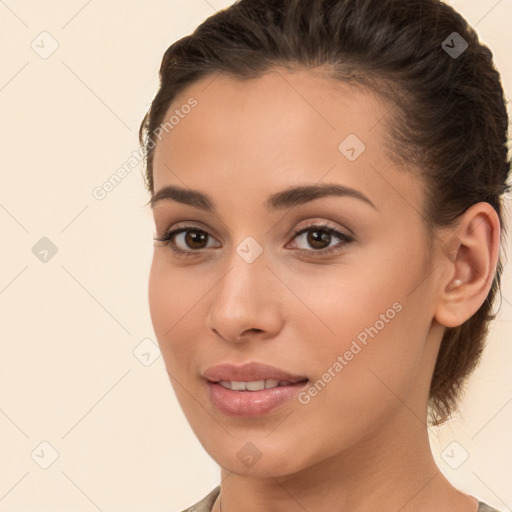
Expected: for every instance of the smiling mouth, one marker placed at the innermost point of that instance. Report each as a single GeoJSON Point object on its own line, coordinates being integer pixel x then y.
{"type": "Point", "coordinates": [257, 385]}
{"type": "Point", "coordinates": [247, 399]}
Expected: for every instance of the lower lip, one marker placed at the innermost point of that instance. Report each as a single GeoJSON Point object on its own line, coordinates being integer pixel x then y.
{"type": "Point", "coordinates": [251, 403]}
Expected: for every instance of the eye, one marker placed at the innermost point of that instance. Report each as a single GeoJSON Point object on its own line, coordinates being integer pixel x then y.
{"type": "Point", "coordinates": [319, 237]}
{"type": "Point", "coordinates": [191, 239]}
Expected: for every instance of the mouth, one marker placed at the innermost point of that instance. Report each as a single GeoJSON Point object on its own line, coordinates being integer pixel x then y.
{"type": "Point", "coordinates": [252, 373]}
{"type": "Point", "coordinates": [241, 399]}
{"type": "Point", "coordinates": [252, 389]}
{"type": "Point", "coordinates": [257, 385]}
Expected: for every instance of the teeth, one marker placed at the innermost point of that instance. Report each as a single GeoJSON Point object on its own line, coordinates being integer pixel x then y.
{"type": "Point", "coordinates": [255, 385]}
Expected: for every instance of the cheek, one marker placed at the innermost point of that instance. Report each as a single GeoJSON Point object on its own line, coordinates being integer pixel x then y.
{"type": "Point", "coordinates": [174, 305]}
{"type": "Point", "coordinates": [367, 330]}
{"type": "Point", "coordinates": [173, 302]}
{"type": "Point", "coordinates": [161, 298]}
{"type": "Point", "coordinates": [341, 304]}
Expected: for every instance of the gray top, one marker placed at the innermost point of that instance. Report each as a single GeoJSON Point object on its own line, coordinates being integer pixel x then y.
{"type": "Point", "coordinates": [206, 504]}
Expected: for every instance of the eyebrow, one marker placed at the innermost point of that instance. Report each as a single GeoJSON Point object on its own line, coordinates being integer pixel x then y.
{"type": "Point", "coordinates": [288, 198]}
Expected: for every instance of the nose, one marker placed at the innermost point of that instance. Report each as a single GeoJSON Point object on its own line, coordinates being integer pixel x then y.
{"type": "Point", "coordinates": [246, 302]}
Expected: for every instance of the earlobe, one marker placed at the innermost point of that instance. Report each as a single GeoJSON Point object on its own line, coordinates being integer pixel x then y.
{"type": "Point", "coordinates": [471, 262]}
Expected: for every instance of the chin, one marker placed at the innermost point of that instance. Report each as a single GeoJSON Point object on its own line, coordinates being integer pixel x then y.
{"type": "Point", "coordinates": [257, 458]}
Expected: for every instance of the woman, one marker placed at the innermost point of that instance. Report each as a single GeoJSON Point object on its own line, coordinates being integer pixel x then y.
{"type": "Point", "coordinates": [326, 179]}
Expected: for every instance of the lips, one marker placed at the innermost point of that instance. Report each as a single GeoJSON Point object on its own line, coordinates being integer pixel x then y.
{"type": "Point", "coordinates": [249, 372]}
{"type": "Point", "coordinates": [237, 391]}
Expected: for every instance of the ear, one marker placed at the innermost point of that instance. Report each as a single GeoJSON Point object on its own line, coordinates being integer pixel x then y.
{"type": "Point", "coordinates": [470, 255]}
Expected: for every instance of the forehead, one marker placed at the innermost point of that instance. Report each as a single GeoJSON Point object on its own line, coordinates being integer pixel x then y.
{"type": "Point", "coordinates": [280, 129]}
{"type": "Point", "coordinates": [233, 114]}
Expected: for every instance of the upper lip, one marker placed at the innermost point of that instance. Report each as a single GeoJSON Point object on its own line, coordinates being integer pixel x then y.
{"type": "Point", "coordinates": [248, 372]}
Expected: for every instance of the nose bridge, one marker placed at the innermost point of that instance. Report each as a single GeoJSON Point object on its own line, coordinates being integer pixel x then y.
{"type": "Point", "coordinates": [245, 297]}
{"type": "Point", "coordinates": [248, 272]}
{"type": "Point", "coordinates": [247, 258]}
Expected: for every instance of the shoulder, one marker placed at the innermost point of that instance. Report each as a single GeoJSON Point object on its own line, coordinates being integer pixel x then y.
{"type": "Point", "coordinates": [206, 504]}
{"type": "Point", "coordinates": [483, 507]}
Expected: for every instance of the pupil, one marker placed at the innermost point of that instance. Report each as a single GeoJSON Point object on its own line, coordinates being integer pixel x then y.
{"type": "Point", "coordinates": [319, 237]}
{"type": "Point", "coordinates": [193, 237]}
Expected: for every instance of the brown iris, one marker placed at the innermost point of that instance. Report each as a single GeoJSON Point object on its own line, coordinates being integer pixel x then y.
{"type": "Point", "coordinates": [318, 236]}
{"type": "Point", "coordinates": [195, 237]}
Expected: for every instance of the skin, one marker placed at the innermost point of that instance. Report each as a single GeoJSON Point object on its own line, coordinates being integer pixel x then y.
{"type": "Point", "coordinates": [362, 443]}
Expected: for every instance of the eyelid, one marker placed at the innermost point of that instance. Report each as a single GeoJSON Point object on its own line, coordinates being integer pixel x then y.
{"type": "Point", "coordinates": [175, 230]}
{"type": "Point", "coordinates": [339, 233]}
{"type": "Point", "coordinates": [188, 225]}
{"type": "Point", "coordinates": [345, 239]}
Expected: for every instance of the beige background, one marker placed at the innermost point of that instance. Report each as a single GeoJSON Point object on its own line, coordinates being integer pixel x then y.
{"type": "Point", "coordinates": [72, 326]}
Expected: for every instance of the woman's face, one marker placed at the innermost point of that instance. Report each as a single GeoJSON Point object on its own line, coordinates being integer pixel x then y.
{"type": "Point", "coordinates": [356, 321]}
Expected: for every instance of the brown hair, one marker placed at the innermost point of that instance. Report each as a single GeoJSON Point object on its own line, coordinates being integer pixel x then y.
{"type": "Point", "coordinates": [449, 118]}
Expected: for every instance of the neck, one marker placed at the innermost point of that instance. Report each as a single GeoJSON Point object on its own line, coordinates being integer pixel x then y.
{"type": "Point", "coordinates": [388, 472]}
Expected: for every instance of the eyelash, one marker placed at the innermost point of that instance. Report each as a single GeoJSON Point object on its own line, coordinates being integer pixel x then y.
{"type": "Point", "coordinates": [167, 237]}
